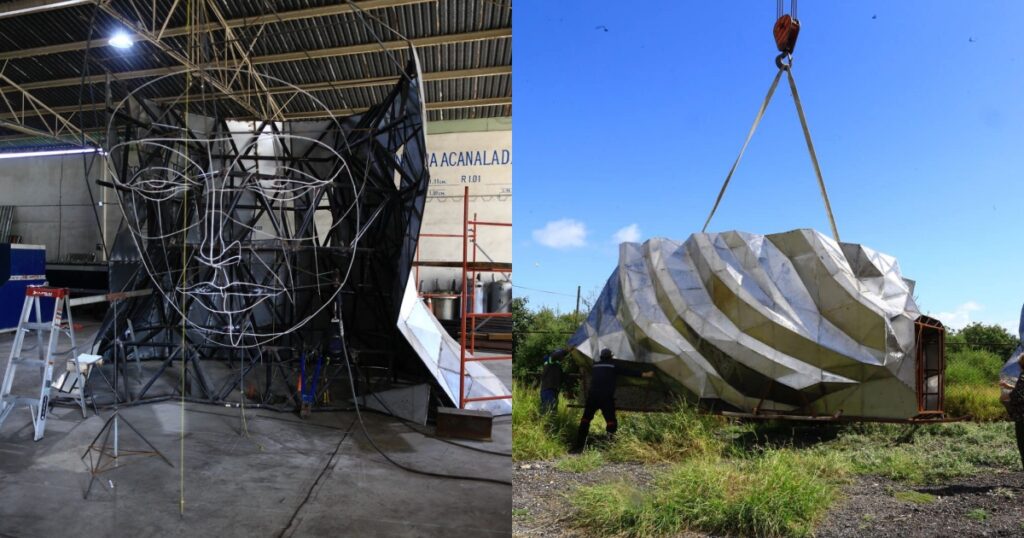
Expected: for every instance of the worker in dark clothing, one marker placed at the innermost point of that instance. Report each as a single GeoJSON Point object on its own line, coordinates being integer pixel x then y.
{"type": "Point", "coordinates": [603, 379]}
{"type": "Point", "coordinates": [1015, 407]}
{"type": "Point", "coordinates": [551, 381]}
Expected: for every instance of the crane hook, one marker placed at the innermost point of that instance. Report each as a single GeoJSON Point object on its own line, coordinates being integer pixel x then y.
{"type": "Point", "coordinates": [786, 31]}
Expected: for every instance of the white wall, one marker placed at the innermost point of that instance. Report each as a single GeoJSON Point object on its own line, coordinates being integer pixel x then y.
{"type": "Point", "coordinates": [53, 206]}
{"type": "Point", "coordinates": [477, 154]}
{"type": "Point", "coordinates": [52, 203]}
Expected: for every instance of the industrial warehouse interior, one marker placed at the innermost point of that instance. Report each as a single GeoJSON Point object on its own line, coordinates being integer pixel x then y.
{"type": "Point", "coordinates": [256, 268]}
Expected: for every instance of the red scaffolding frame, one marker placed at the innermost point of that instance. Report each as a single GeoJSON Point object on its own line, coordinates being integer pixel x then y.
{"type": "Point", "coordinates": [467, 307]}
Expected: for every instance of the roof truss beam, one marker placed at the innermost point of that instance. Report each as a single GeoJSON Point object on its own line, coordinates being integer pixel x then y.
{"type": "Point", "coordinates": [28, 7]}
{"type": "Point", "coordinates": [164, 32]}
{"type": "Point", "coordinates": [315, 87]}
{"type": "Point", "coordinates": [27, 107]}
{"type": "Point", "coordinates": [190, 66]}
{"type": "Point", "coordinates": [501, 33]}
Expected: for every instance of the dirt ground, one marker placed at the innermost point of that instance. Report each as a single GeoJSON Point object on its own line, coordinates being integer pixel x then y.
{"type": "Point", "coordinates": [990, 504]}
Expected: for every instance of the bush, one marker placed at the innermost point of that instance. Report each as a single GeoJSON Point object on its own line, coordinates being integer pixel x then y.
{"type": "Point", "coordinates": [536, 334]}
{"type": "Point", "coordinates": [979, 336]}
{"type": "Point", "coordinates": [973, 367]}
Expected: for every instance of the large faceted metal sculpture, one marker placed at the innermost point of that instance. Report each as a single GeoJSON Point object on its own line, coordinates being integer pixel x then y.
{"type": "Point", "coordinates": [1011, 370]}
{"type": "Point", "coordinates": [790, 323]}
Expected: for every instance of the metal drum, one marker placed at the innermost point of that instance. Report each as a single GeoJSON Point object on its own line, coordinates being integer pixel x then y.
{"type": "Point", "coordinates": [479, 299]}
{"type": "Point", "coordinates": [499, 296]}
{"type": "Point", "coordinates": [445, 308]}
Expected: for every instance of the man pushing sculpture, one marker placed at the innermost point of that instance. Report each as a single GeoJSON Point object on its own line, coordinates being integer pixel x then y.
{"type": "Point", "coordinates": [601, 396]}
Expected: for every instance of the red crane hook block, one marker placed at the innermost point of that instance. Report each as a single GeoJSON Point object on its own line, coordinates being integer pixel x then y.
{"type": "Point", "coordinates": [786, 30]}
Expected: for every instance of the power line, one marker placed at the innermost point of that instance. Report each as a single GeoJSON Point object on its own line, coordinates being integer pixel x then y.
{"type": "Point", "coordinates": [544, 291]}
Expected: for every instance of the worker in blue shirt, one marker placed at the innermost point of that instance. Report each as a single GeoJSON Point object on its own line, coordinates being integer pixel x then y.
{"type": "Point", "coordinates": [551, 381]}
{"type": "Point", "coordinates": [601, 396]}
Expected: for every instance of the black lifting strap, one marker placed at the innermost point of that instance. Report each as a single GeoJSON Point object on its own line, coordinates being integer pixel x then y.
{"type": "Point", "coordinates": [787, 68]}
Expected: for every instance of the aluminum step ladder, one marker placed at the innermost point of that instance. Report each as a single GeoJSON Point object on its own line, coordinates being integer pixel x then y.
{"type": "Point", "coordinates": [38, 404]}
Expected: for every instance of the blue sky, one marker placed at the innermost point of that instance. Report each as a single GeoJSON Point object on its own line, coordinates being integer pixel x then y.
{"type": "Point", "coordinates": [627, 120]}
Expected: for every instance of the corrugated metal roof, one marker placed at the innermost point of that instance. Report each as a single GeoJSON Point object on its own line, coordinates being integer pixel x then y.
{"type": "Point", "coordinates": [55, 78]}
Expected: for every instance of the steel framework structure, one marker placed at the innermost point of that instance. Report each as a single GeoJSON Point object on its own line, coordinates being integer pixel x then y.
{"type": "Point", "coordinates": [229, 64]}
{"type": "Point", "coordinates": [283, 239]}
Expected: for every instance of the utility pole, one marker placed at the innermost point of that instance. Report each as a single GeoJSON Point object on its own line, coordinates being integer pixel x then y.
{"type": "Point", "coordinates": [576, 315]}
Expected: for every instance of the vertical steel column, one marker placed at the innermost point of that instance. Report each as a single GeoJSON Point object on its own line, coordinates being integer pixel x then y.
{"type": "Point", "coordinates": [462, 307]}
{"type": "Point", "coordinates": [473, 278]}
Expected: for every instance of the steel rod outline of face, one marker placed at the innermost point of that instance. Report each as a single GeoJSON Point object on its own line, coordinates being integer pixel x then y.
{"type": "Point", "coordinates": [221, 293]}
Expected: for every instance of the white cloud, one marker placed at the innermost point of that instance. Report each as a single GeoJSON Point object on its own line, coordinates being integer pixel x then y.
{"type": "Point", "coordinates": [960, 317]}
{"type": "Point", "coordinates": [629, 234]}
{"type": "Point", "coordinates": [563, 233]}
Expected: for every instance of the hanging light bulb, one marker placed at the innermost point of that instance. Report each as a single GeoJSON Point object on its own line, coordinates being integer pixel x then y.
{"type": "Point", "coordinates": [121, 40]}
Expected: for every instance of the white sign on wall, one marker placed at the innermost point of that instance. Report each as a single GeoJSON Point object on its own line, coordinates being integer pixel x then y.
{"type": "Point", "coordinates": [481, 161]}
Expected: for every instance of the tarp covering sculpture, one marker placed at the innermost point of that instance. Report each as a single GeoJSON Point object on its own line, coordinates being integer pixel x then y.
{"type": "Point", "coordinates": [791, 323]}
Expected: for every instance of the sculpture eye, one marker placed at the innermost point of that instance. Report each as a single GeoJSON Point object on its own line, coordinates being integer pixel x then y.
{"type": "Point", "coordinates": [158, 184]}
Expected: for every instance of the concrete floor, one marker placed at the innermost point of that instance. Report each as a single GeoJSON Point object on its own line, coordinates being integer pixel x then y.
{"type": "Point", "coordinates": [286, 477]}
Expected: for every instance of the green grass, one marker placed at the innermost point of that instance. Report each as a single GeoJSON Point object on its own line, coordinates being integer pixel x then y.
{"type": "Point", "coordinates": [759, 479]}
{"type": "Point", "coordinates": [584, 463]}
{"type": "Point", "coordinates": [642, 437]}
{"type": "Point", "coordinates": [520, 512]}
{"type": "Point", "coordinates": [779, 493]}
{"type": "Point", "coordinates": [932, 454]}
{"type": "Point", "coordinates": [980, 402]}
{"type": "Point", "coordinates": [978, 514]}
{"type": "Point", "coordinates": [972, 385]}
{"type": "Point", "coordinates": [536, 436]}
{"type": "Point", "coordinates": [915, 497]}
{"type": "Point", "coordinates": [666, 437]}
{"type": "Point", "coordinates": [922, 455]}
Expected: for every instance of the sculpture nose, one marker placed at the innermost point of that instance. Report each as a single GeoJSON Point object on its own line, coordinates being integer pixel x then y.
{"type": "Point", "coordinates": [218, 248]}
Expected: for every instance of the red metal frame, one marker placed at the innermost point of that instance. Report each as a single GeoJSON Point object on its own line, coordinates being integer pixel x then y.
{"type": "Point", "coordinates": [470, 268]}
{"type": "Point", "coordinates": [468, 308]}
{"type": "Point", "coordinates": [923, 326]}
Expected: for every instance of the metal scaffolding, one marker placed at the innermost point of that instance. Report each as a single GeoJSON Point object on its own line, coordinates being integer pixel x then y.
{"type": "Point", "coordinates": [470, 267]}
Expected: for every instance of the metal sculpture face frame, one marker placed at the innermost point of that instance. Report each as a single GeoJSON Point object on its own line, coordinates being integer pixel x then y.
{"type": "Point", "coordinates": [263, 235]}
{"type": "Point", "coordinates": [791, 323]}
